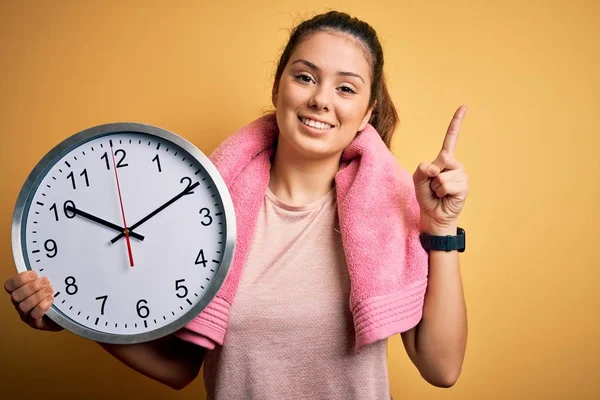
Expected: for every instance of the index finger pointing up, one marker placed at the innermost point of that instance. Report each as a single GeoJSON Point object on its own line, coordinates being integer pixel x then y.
{"type": "Point", "coordinates": [453, 130]}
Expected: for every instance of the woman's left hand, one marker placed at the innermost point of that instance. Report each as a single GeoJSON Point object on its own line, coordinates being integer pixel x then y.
{"type": "Point", "coordinates": [442, 186]}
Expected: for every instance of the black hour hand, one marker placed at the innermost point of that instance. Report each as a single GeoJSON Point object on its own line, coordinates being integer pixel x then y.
{"type": "Point", "coordinates": [102, 222]}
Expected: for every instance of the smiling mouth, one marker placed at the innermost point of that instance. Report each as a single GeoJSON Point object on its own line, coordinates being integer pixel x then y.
{"type": "Point", "coordinates": [314, 124]}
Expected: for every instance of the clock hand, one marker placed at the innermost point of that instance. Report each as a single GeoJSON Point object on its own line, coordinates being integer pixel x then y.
{"type": "Point", "coordinates": [159, 209]}
{"type": "Point", "coordinates": [126, 231]}
{"type": "Point", "coordinates": [102, 222]}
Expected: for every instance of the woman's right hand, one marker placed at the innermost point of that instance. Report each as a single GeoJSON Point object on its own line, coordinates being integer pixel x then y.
{"type": "Point", "coordinates": [32, 297]}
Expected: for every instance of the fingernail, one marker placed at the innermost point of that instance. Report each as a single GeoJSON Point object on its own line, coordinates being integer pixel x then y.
{"type": "Point", "coordinates": [32, 275]}
{"type": "Point", "coordinates": [49, 290]}
{"type": "Point", "coordinates": [44, 281]}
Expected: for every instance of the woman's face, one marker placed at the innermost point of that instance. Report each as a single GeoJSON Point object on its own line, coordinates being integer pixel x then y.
{"type": "Point", "coordinates": [323, 95]}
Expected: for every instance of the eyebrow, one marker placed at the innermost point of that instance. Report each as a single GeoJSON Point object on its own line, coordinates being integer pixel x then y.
{"type": "Point", "coordinates": [313, 66]}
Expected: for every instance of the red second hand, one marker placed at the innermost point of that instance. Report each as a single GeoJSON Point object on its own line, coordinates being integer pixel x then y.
{"type": "Point", "coordinates": [126, 232]}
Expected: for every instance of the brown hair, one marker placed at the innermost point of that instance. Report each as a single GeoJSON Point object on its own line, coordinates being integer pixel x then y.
{"type": "Point", "coordinates": [384, 117]}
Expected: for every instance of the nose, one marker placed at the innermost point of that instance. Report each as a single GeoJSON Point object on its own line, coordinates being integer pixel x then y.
{"type": "Point", "coordinates": [320, 99]}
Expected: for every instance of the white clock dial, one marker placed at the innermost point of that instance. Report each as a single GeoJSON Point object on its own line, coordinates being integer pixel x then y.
{"type": "Point", "coordinates": [70, 223]}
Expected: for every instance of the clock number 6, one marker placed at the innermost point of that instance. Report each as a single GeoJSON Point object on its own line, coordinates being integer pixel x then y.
{"type": "Point", "coordinates": [178, 286]}
{"type": "Point", "coordinates": [142, 308]}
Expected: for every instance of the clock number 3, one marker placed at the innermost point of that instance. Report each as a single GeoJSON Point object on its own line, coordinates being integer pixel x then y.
{"type": "Point", "coordinates": [206, 216]}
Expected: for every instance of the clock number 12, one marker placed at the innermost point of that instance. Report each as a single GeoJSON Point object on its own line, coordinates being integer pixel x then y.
{"type": "Point", "coordinates": [120, 164]}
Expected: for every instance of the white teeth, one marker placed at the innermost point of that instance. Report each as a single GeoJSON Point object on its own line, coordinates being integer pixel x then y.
{"type": "Point", "coordinates": [315, 124]}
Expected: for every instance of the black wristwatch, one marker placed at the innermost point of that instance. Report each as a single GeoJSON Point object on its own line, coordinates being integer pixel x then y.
{"type": "Point", "coordinates": [446, 243]}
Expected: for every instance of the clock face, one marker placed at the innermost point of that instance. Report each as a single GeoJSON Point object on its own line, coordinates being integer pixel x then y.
{"type": "Point", "coordinates": [115, 287]}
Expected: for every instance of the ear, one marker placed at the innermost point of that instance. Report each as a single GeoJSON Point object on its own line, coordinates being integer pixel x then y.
{"type": "Point", "coordinates": [274, 96]}
{"type": "Point", "coordinates": [366, 118]}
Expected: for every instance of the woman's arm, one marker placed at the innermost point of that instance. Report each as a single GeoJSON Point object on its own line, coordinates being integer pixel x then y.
{"type": "Point", "coordinates": [437, 344]}
{"type": "Point", "coordinates": [168, 360]}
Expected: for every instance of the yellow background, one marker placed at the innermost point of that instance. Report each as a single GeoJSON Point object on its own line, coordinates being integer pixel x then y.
{"type": "Point", "coordinates": [529, 143]}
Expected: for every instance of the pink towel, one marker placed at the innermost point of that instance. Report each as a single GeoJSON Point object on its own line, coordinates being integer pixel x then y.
{"type": "Point", "coordinates": [379, 223]}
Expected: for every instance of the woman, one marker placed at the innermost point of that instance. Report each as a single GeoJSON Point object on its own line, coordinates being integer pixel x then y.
{"type": "Point", "coordinates": [328, 86]}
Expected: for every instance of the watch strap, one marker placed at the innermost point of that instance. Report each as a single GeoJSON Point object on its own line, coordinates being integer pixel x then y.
{"type": "Point", "coordinates": [445, 243]}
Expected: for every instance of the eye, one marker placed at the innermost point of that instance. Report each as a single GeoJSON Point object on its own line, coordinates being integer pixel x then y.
{"type": "Point", "coordinates": [347, 89]}
{"type": "Point", "coordinates": [303, 77]}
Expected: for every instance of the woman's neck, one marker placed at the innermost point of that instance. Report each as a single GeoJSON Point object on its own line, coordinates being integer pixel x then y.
{"type": "Point", "coordinates": [298, 181]}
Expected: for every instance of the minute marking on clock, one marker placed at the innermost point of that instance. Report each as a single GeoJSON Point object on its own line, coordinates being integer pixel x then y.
{"type": "Point", "coordinates": [101, 221]}
{"type": "Point", "coordinates": [184, 192]}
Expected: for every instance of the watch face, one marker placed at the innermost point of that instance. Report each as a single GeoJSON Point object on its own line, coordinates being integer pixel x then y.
{"type": "Point", "coordinates": [116, 285]}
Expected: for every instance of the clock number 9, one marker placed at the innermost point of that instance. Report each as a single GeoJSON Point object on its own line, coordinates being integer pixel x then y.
{"type": "Point", "coordinates": [68, 214]}
{"type": "Point", "coordinates": [142, 308]}
{"type": "Point", "coordinates": [178, 286]}
{"type": "Point", "coordinates": [51, 248]}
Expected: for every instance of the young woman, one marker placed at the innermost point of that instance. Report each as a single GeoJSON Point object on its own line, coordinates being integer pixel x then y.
{"type": "Point", "coordinates": [328, 86]}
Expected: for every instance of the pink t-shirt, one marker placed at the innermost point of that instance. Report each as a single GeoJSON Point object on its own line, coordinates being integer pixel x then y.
{"type": "Point", "coordinates": [290, 333]}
